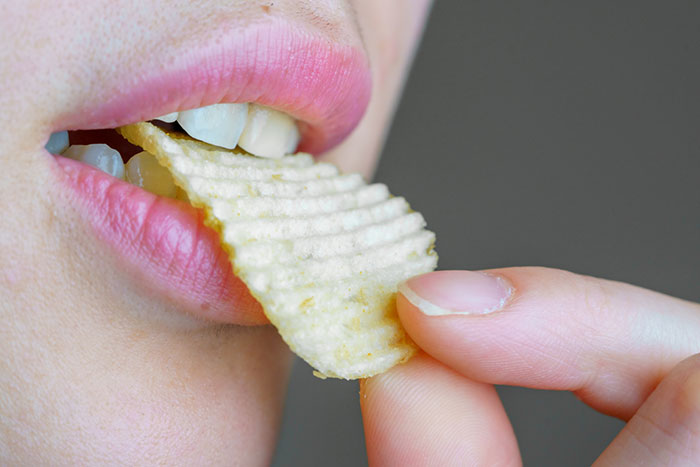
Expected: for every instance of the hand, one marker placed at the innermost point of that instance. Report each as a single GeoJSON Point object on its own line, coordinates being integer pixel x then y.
{"type": "Point", "coordinates": [623, 350]}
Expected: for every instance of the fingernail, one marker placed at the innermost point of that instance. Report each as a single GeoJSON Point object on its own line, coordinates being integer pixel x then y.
{"type": "Point", "coordinates": [457, 293]}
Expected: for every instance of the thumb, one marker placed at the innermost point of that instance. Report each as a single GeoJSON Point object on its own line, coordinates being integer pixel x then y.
{"type": "Point", "coordinates": [423, 413]}
{"type": "Point", "coordinates": [666, 429]}
{"type": "Point", "coordinates": [610, 343]}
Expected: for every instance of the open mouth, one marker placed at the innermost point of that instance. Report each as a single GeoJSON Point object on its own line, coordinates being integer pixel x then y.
{"type": "Point", "coordinates": [294, 93]}
{"type": "Point", "coordinates": [249, 128]}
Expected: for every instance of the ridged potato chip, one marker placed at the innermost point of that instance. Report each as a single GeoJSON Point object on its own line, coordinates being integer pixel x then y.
{"type": "Point", "coordinates": [323, 252]}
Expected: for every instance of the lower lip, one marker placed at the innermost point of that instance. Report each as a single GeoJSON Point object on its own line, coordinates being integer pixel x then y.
{"type": "Point", "coordinates": [163, 243]}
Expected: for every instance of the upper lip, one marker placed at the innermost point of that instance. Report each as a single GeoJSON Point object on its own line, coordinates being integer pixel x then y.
{"type": "Point", "coordinates": [324, 85]}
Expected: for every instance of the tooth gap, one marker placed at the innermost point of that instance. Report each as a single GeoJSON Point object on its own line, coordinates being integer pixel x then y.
{"type": "Point", "coordinates": [168, 127]}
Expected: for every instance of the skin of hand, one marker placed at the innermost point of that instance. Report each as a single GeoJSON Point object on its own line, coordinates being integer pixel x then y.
{"type": "Point", "coordinates": [95, 367]}
{"type": "Point", "coordinates": [625, 351]}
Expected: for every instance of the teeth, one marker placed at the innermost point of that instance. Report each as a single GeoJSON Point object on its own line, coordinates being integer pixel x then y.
{"type": "Point", "coordinates": [260, 130]}
{"type": "Point", "coordinates": [58, 142]}
{"type": "Point", "coordinates": [100, 156]}
{"type": "Point", "coordinates": [168, 118]}
{"type": "Point", "coordinates": [218, 124]}
{"type": "Point", "coordinates": [269, 133]}
{"type": "Point", "coordinates": [143, 170]}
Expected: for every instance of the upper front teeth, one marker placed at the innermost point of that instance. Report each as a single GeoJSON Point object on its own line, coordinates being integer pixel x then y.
{"type": "Point", "coordinates": [218, 124]}
{"type": "Point", "coordinates": [168, 118]}
{"type": "Point", "coordinates": [98, 155]}
{"type": "Point", "coordinates": [269, 133]}
{"type": "Point", "coordinates": [260, 130]}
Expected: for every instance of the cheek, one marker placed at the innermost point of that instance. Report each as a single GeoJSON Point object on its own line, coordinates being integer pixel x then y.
{"type": "Point", "coordinates": [390, 31]}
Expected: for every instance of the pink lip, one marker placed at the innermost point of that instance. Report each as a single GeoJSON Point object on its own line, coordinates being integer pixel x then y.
{"type": "Point", "coordinates": [163, 241]}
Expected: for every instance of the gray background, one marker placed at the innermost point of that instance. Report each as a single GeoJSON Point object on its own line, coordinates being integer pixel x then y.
{"type": "Point", "coordinates": [553, 133]}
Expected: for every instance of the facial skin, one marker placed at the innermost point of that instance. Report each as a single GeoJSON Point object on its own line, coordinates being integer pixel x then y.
{"type": "Point", "coordinates": [96, 367]}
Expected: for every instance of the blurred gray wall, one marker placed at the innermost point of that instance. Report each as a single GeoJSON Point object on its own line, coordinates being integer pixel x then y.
{"type": "Point", "coordinates": [562, 134]}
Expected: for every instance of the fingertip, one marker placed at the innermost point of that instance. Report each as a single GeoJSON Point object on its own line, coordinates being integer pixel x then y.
{"type": "Point", "coordinates": [433, 335]}
{"type": "Point", "coordinates": [451, 329]}
{"type": "Point", "coordinates": [406, 310]}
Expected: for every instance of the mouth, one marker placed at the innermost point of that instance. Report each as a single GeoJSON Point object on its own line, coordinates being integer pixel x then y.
{"type": "Point", "coordinates": [268, 90]}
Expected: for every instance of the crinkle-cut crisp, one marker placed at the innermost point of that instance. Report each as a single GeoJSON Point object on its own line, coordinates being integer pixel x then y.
{"type": "Point", "coordinates": [323, 252]}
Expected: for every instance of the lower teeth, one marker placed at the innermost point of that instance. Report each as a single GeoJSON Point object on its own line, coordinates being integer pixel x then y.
{"type": "Point", "coordinates": [98, 155]}
{"type": "Point", "coordinates": [143, 170]}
